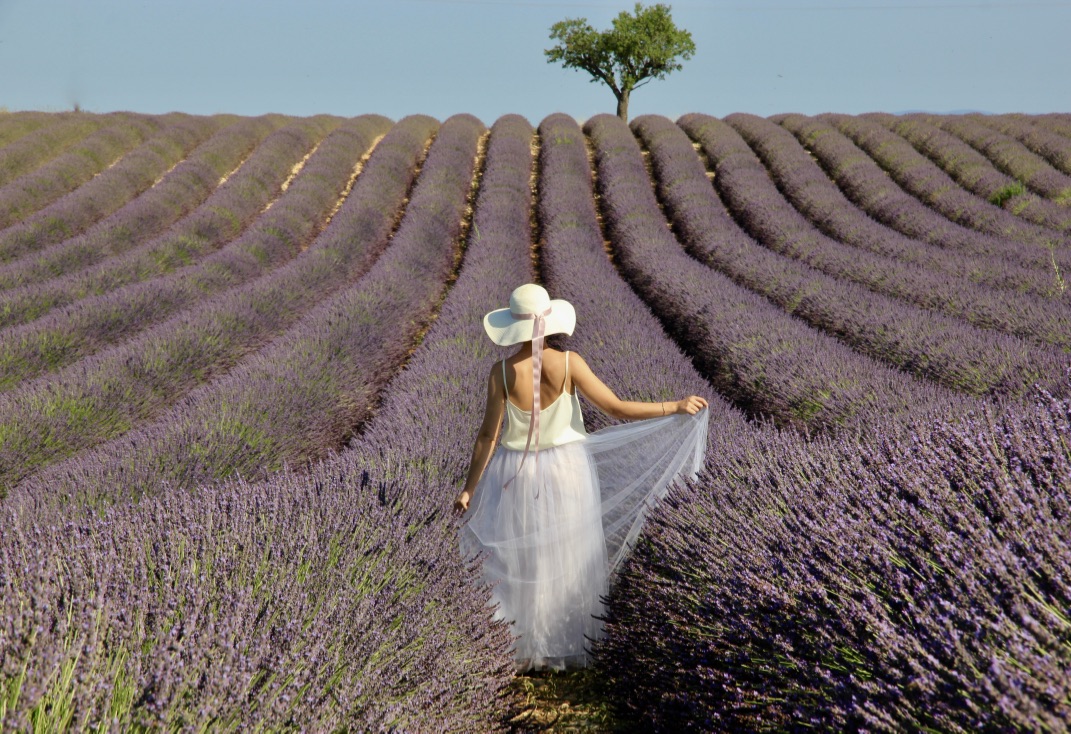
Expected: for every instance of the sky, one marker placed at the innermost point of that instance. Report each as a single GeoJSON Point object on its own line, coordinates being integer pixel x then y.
{"type": "Point", "coordinates": [485, 57]}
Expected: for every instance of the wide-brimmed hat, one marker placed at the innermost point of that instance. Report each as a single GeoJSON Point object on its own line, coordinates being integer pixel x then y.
{"type": "Point", "coordinates": [513, 325]}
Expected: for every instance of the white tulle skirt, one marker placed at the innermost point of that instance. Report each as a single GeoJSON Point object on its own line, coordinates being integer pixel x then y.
{"type": "Point", "coordinates": [554, 538]}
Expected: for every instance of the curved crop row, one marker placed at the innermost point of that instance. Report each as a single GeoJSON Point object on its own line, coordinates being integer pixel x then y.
{"type": "Point", "coordinates": [1054, 122]}
{"type": "Point", "coordinates": [805, 184]}
{"type": "Point", "coordinates": [115, 186]}
{"type": "Point", "coordinates": [895, 585]}
{"type": "Point", "coordinates": [108, 393]}
{"type": "Point", "coordinates": [425, 420]}
{"type": "Point", "coordinates": [148, 215]}
{"type": "Point", "coordinates": [52, 139]}
{"type": "Point", "coordinates": [758, 205]}
{"type": "Point", "coordinates": [921, 177]}
{"type": "Point", "coordinates": [616, 332]}
{"type": "Point", "coordinates": [300, 397]}
{"type": "Point", "coordinates": [766, 360]}
{"type": "Point", "coordinates": [1053, 147]}
{"type": "Point", "coordinates": [911, 338]}
{"type": "Point", "coordinates": [17, 125]}
{"type": "Point", "coordinates": [1009, 154]}
{"type": "Point", "coordinates": [222, 217]}
{"type": "Point", "coordinates": [871, 189]}
{"type": "Point", "coordinates": [456, 681]}
{"type": "Point", "coordinates": [307, 603]}
{"type": "Point", "coordinates": [974, 171]}
{"type": "Point", "coordinates": [84, 328]}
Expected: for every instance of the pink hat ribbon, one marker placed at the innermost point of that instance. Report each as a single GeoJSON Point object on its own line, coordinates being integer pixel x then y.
{"type": "Point", "coordinates": [537, 366]}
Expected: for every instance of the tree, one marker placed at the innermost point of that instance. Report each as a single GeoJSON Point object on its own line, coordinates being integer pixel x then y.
{"type": "Point", "coordinates": [637, 49]}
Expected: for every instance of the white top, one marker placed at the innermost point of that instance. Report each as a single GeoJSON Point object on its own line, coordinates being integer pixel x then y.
{"type": "Point", "coordinates": [560, 422]}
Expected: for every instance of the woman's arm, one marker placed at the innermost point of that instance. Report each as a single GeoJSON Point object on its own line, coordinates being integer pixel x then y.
{"type": "Point", "coordinates": [486, 438]}
{"type": "Point", "coordinates": [604, 399]}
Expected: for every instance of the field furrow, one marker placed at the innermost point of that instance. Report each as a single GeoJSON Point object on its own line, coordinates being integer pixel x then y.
{"type": "Point", "coordinates": [974, 172]}
{"type": "Point", "coordinates": [181, 190]}
{"type": "Point", "coordinates": [757, 203]}
{"type": "Point", "coordinates": [872, 189]}
{"type": "Point", "coordinates": [767, 361]}
{"type": "Point", "coordinates": [247, 192]}
{"type": "Point", "coordinates": [107, 394]}
{"type": "Point", "coordinates": [302, 396]}
{"type": "Point", "coordinates": [135, 172]}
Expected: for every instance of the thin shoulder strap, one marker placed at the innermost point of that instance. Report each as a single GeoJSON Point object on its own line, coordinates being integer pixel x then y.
{"type": "Point", "coordinates": [566, 380]}
{"type": "Point", "coordinates": [504, 388]}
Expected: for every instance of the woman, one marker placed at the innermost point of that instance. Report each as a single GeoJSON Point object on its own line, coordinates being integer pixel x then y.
{"type": "Point", "coordinates": [556, 507]}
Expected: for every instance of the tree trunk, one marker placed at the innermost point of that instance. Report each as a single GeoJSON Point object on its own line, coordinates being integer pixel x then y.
{"type": "Point", "coordinates": [622, 105]}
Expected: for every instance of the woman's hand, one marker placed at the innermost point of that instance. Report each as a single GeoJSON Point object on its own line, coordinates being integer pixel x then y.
{"type": "Point", "coordinates": [461, 504]}
{"type": "Point", "coordinates": [691, 405]}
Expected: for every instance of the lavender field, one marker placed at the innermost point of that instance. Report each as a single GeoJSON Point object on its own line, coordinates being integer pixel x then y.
{"type": "Point", "coordinates": [242, 367]}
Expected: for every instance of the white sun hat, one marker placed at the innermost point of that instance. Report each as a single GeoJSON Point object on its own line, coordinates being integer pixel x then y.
{"type": "Point", "coordinates": [516, 324]}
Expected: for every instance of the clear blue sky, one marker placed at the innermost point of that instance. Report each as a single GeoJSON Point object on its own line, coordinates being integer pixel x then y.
{"type": "Point", "coordinates": [485, 57]}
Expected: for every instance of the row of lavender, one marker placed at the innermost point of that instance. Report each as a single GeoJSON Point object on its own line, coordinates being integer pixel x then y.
{"type": "Point", "coordinates": [293, 398]}
{"type": "Point", "coordinates": [752, 350]}
{"type": "Point", "coordinates": [409, 470]}
{"type": "Point", "coordinates": [973, 171]}
{"type": "Point", "coordinates": [247, 192]}
{"type": "Point", "coordinates": [809, 585]}
{"type": "Point", "coordinates": [59, 157]}
{"type": "Point", "coordinates": [17, 125]}
{"type": "Point", "coordinates": [129, 175]}
{"type": "Point", "coordinates": [896, 584]}
{"type": "Point", "coordinates": [174, 195]}
{"type": "Point", "coordinates": [877, 307]}
{"type": "Point", "coordinates": [161, 286]}
{"type": "Point", "coordinates": [194, 338]}
{"type": "Point", "coordinates": [309, 601]}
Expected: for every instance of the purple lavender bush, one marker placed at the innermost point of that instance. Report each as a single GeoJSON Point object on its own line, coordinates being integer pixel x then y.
{"type": "Point", "coordinates": [892, 584]}
{"type": "Point", "coordinates": [765, 360]}
{"type": "Point", "coordinates": [186, 186]}
{"type": "Point", "coordinates": [17, 125]}
{"type": "Point", "coordinates": [225, 215]}
{"type": "Point", "coordinates": [327, 601]}
{"type": "Point", "coordinates": [131, 174]}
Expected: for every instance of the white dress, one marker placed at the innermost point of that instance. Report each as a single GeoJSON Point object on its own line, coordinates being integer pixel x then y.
{"type": "Point", "coordinates": [556, 534]}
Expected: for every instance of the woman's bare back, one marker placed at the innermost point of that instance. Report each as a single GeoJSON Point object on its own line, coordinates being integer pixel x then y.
{"type": "Point", "coordinates": [553, 380]}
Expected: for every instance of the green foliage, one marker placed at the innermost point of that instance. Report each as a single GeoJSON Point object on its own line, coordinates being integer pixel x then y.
{"type": "Point", "coordinates": [1004, 193]}
{"type": "Point", "coordinates": [636, 49]}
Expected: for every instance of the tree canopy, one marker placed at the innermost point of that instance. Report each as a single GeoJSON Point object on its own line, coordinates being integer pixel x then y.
{"type": "Point", "coordinates": [637, 48]}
